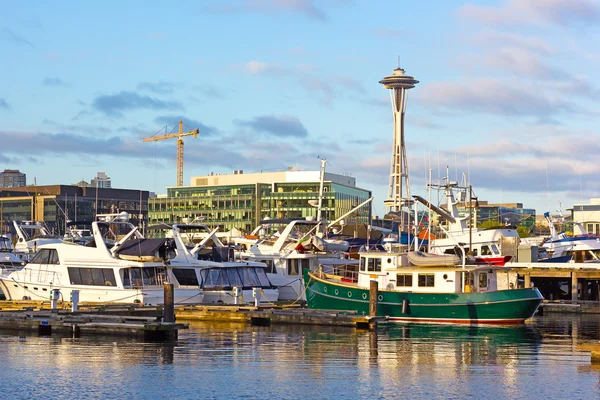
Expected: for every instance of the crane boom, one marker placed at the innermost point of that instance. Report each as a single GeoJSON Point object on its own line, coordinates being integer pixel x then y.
{"type": "Point", "coordinates": [179, 135]}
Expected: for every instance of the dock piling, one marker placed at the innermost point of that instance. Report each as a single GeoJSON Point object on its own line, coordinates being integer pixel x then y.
{"type": "Point", "coordinates": [169, 309]}
{"type": "Point", "coordinates": [373, 294]}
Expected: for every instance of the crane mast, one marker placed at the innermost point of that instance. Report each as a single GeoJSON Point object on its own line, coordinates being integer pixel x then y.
{"type": "Point", "coordinates": [179, 135]}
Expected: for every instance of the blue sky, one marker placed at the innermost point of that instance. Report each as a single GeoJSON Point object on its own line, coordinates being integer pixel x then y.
{"type": "Point", "coordinates": [508, 91]}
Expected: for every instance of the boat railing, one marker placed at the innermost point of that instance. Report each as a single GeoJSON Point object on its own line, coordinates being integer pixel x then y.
{"type": "Point", "coordinates": [37, 275]}
{"type": "Point", "coordinates": [342, 272]}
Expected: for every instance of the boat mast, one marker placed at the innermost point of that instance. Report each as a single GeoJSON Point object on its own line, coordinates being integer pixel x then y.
{"type": "Point", "coordinates": [321, 183]}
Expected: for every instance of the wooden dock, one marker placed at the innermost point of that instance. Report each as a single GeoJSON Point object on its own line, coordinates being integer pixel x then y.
{"type": "Point", "coordinates": [266, 316]}
{"type": "Point", "coordinates": [100, 320]}
{"type": "Point", "coordinates": [593, 348]}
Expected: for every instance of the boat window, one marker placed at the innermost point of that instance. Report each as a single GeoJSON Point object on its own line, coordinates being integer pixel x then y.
{"type": "Point", "coordinates": [186, 276]}
{"type": "Point", "coordinates": [362, 264]}
{"type": "Point", "coordinates": [233, 275]}
{"type": "Point", "coordinates": [371, 264]}
{"type": "Point", "coordinates": [469, 281]}
{"type": "Point", "coordinates": [494, 249]}
{"type": "Point", "coordinates": [426, 280]}
{"type": "Point", "coordinates": [474, 251]}
{"type": "Point", "coordinates": [136, 277]}
{"type": "Point", "coordinates": [305, 262]}
{"type": "Point", "coordinates": [270, 266]}
{"type": "Point", "coordinates": [292, 266]}
{"type": "Point", "coordinates": [92, 276]}
{"type": "Point", "coordinates": [249, 277]}
{"type": "Point", "coordinates": [262, 277]}
{"type": "Point", "coordinates": [378, 264]}
{"type": "Point", "coordinates": [483, 280]}
{"type": "Point", "coordinates": [485, 250]}
{"type": "Point", "coordinates": [404, 280]}
{"type": "Point", "coordinates": [126, 280]}
{"type": "Point", "coordinates": [212, 278]}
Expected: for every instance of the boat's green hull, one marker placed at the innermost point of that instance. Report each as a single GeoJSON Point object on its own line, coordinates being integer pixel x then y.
{"type": "Point", "coordinates": [499, 307]}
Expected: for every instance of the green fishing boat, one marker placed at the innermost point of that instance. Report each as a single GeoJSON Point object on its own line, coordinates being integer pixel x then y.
{"type": "Point", "coordinates": [477, 294]}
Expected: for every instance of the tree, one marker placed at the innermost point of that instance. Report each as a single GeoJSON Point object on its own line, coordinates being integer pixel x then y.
{"type": "Point", "coordinates": [489, 224]}
{"type": "Point", "coordinates": [523, 231]}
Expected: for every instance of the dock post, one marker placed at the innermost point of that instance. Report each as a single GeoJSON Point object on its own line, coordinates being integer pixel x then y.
{"type": "Point", "coordinates": [527, 280]}
{"type": "Point", "coordinates": [169, 309]}
{"type": "Point", "coordinates": [54, 296]}
{"type": "Point", "coordinates": [373, 294]}
{"type": "Point", "coordinates": [256, 295]}
{"type": "Point", "coordinates": [74, 300]}
{"type": "Point", "coordinates": [574, 286]}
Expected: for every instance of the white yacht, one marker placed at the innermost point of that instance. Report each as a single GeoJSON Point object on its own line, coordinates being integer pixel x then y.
{"type": "Point", "coordinates": [288, 246]}
{"type": "Point", "coordinates": [200, 259]}
{"type": "Point", "coordinates": [485, 243]}
{"type": "Point", "coordinates": [117, 266]}
{"type": "Point", "coordinates": [31, 235]}
{"type": "Point", "coordinates": [582, 243]}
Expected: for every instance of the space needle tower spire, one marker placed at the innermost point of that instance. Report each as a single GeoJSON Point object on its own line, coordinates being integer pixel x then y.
{"type": "Point", "coordinates": [398, 83]}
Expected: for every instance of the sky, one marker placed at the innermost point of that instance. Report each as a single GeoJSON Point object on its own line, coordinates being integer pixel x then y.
{"type": "Point", "coordinates": [508, 92]}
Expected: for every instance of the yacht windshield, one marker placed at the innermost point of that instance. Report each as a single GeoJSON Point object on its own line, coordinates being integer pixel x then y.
{"type": "Point", "coordinates": [227, 278]}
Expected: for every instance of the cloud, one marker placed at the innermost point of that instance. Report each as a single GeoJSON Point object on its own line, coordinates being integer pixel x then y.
{"type": "Point", "coordinates": [188, 124]}
{"type": "Point", "coordinates": [54, 82]}
{"type": "Point", "coordinates": [11, 36]}
{"type": "Point", "coordinates": [114, 105]}
{"type": "Point", "coordinates": [4, 104]}
{"type": "Point", "coordinates": [83, 129]}
{"type": "Point", "coordinates": [523, 63]}
{"type": "Point", "coordinates": [209, 90]}
{"type": "Point", "coordinates": [263, 68]}
{"type": "Point", "coordinates": [270, 7]}
{"type": "Point", "coordinates": [492, 96]}
{"type": "Point", "coordinates": [496, 39]}
{"type": "Point", "coordinates": [526, 12]}
{"type": "Point", "coordinates": [158, 87]}
{"type": "Point", "coordinates": [280, 126]}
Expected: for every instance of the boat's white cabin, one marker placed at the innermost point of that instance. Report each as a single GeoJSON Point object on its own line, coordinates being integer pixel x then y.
{"type": "Point", "coordinates": [393, 272]}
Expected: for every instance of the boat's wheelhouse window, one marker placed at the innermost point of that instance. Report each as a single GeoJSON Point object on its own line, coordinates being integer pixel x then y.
{"type": "Point", "coordinates": [249, 277]}
{"type": "Point", "coordinates": [485, 250]}
{"type": "Point", "coordinates": [494, 249]}
{"type": "Point", "coordinates": [5, 244]}
{"type": "Point", "coordinates": [213, 278]}
{"type": "Point", "coordinates": [227, 278]}
{"type": "Point", "coordinates": [294, 265]}
{"type": "Point", "coordinates": [474, 251]}
{"type": "Point", "coordinates": [426, 280]}
{"type": "Point", "coordinates": [404, 280]}
{"type": "Point", "coordinates": [262, 276]}
{"type": "Point", "coordinates": [483, 282]}
{"type": "Point", "coordinates": [186, 276]}
{"type": "Point", "coordinates": [270, 266]}
{"type": "Point", "coordinates": [362, 264]}
{"type": "Point", "coordinates": [234, 277]}
{"type": "Point", "coordinates": [45, 256]}
{"type": "Point", "coordinates": [374, 265]}
{"type": "Point", "coordinates": [92, 276]}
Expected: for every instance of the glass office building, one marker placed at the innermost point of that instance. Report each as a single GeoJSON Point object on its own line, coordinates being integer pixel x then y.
{"type": "Point", "coordinates": [240, 201]}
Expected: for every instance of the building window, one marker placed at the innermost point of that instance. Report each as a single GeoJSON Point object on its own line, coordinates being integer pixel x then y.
{"type": "Point", "coordinates": [426, 280]}
{"type": "Point", "coordinates": [405, 280]}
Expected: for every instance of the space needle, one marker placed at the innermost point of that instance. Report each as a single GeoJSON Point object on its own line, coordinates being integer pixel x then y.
{"type": "Point", "coordinates": [398, 83]}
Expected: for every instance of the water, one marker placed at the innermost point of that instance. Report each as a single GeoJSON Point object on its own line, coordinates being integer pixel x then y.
{"type": "Point", "coordinates": [225, 361]}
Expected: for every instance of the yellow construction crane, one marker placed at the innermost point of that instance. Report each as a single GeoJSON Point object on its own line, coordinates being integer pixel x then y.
{"type": "Point", "coordinates": [179, 135]}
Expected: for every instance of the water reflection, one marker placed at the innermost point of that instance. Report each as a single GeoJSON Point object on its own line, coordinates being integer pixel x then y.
{"type": "Point", "coordinates": [440, 361]}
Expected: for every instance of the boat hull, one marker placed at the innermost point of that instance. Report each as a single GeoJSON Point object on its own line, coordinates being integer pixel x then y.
{"type": "Point", "coordinates": [494, 307]}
